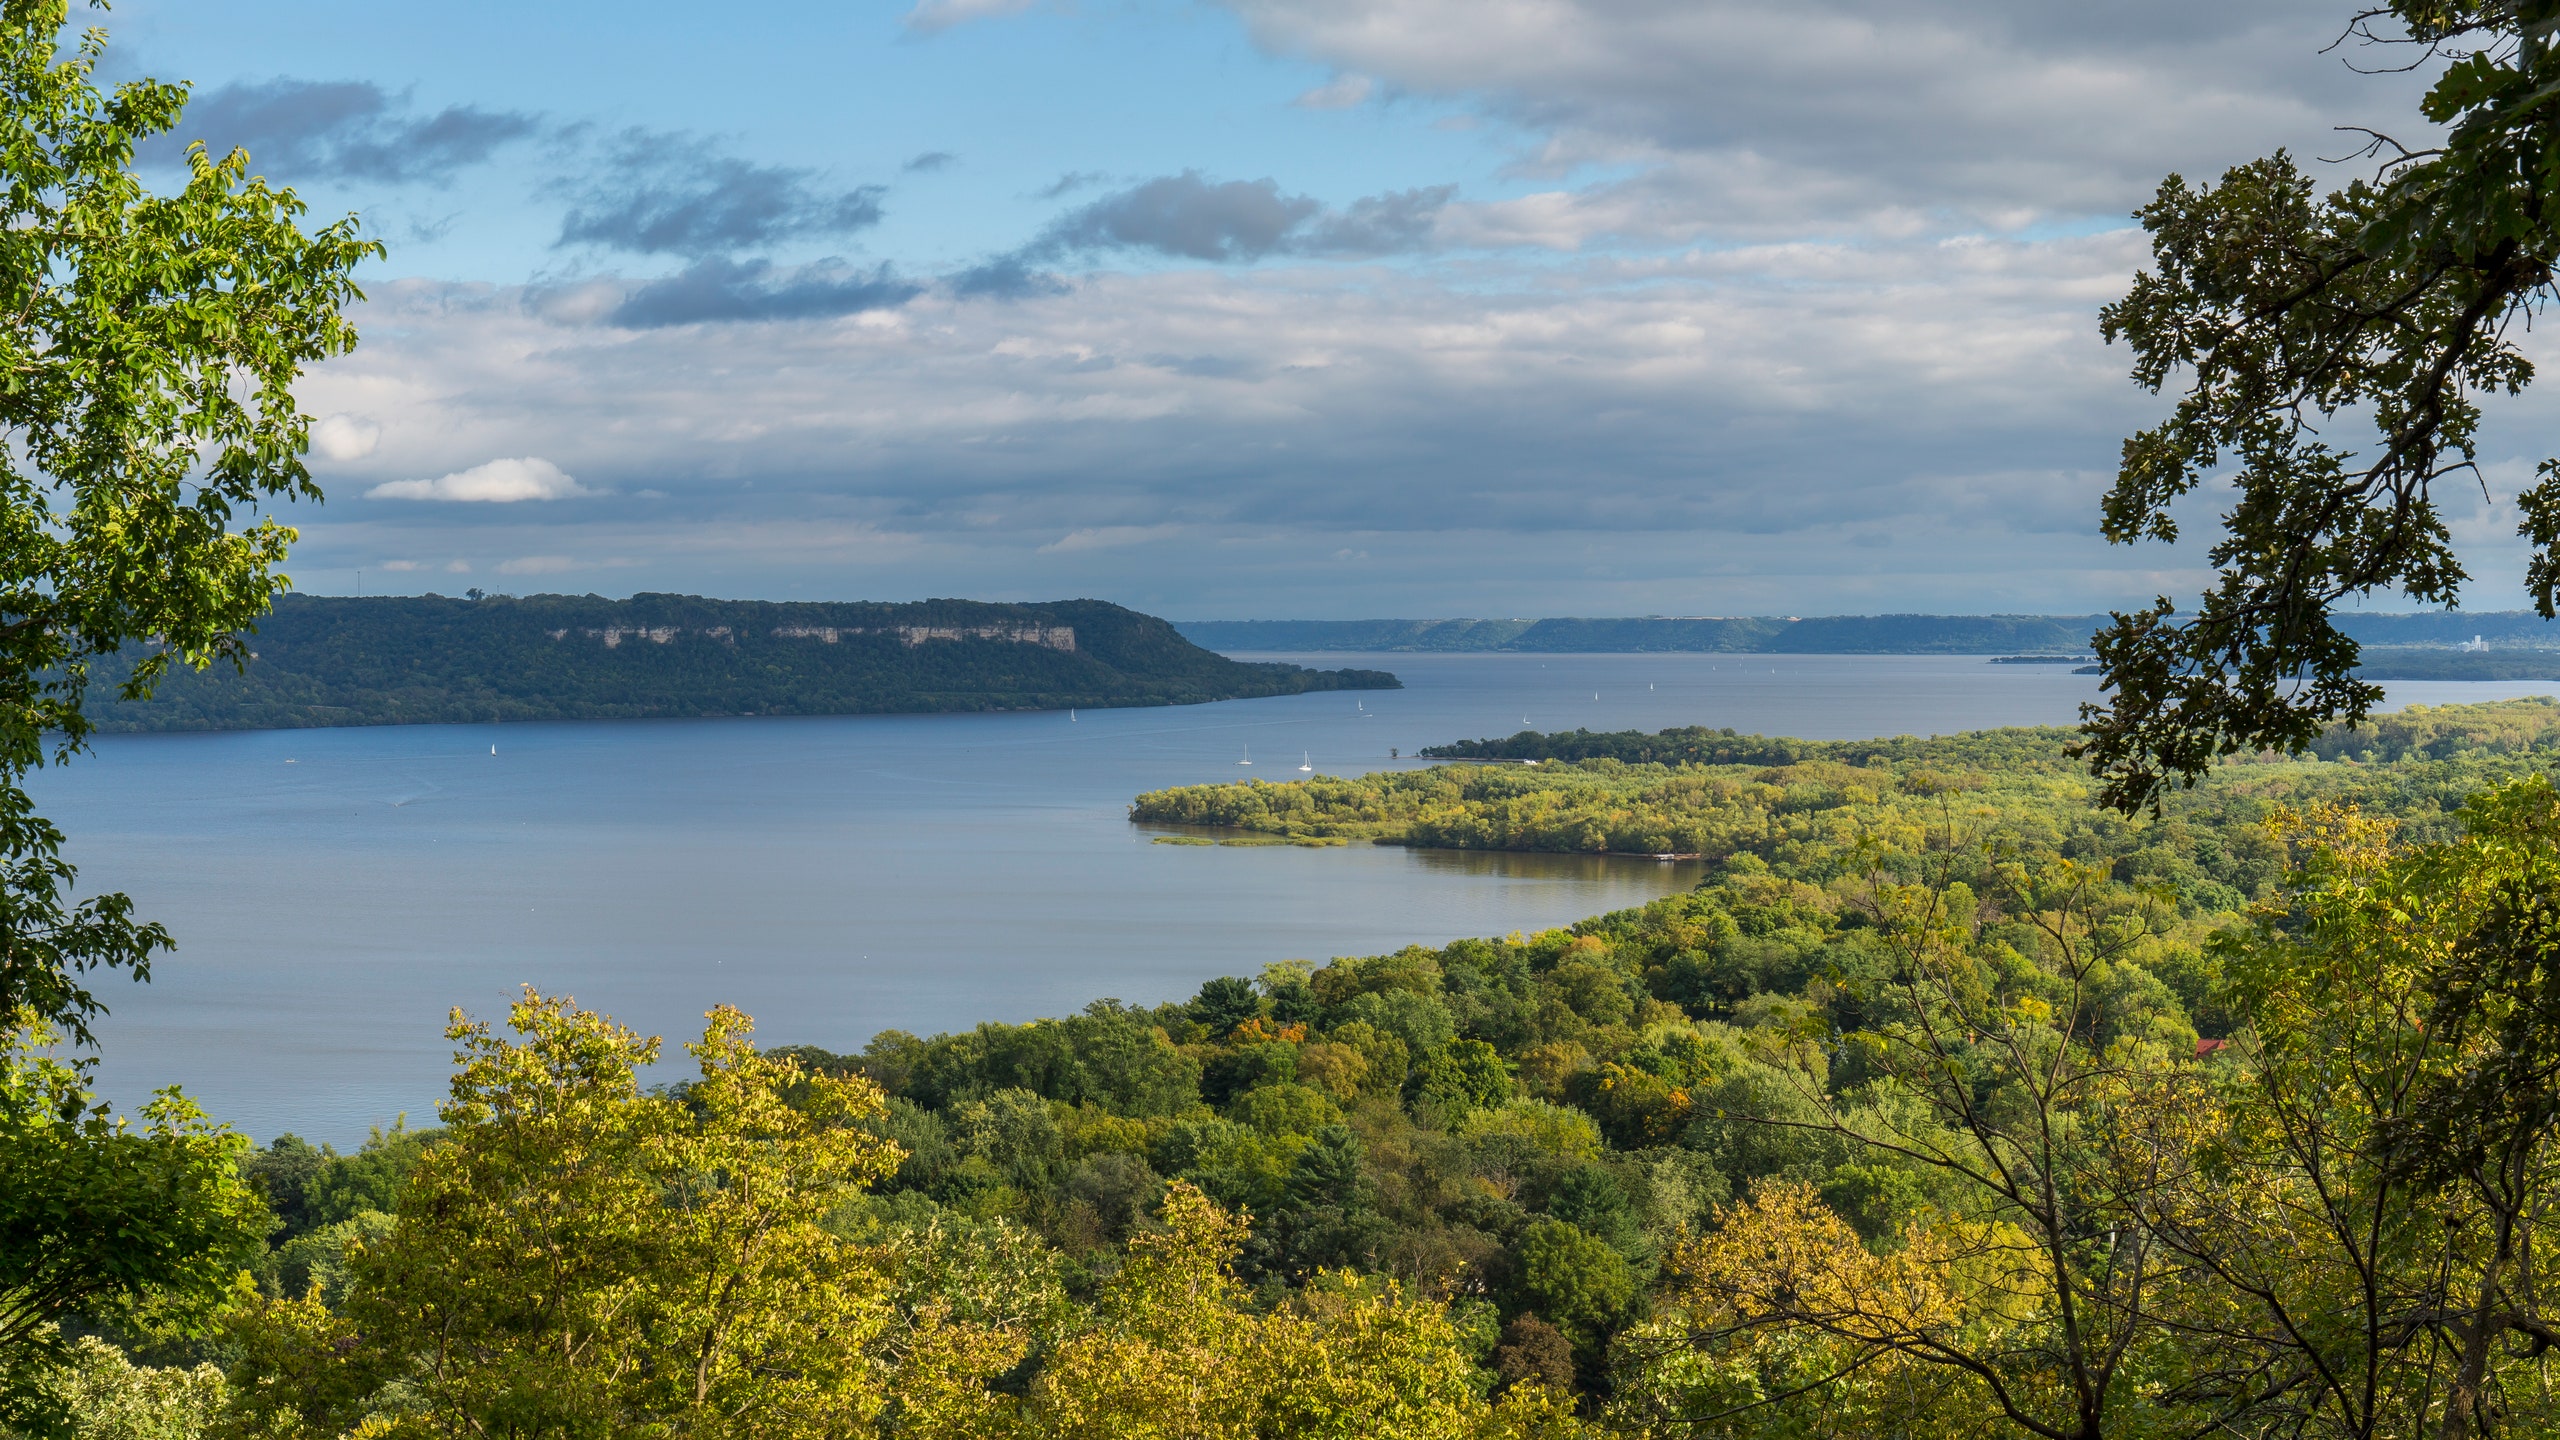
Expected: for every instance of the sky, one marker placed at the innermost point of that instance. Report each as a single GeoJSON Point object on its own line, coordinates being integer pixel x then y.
{"type": "Point", "coordinates": [1258, 308]}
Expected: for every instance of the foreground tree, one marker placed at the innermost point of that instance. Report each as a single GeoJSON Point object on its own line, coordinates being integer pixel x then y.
{"type": "Point", "coordinates": [150, 344]}
{"type": "Point", "coordinates": [140, 1227]}
{"type": "Point", "coordinates": [2002, 1093]}
{"type": "Point", "coordinates": [2379, 1224]}
{"type": "Point", "coordinates": [2335, 349]}
{"type": "Point", "coordinates": [1176, 1352]}
{"type": "Point", "coordinates": [579, 1257]}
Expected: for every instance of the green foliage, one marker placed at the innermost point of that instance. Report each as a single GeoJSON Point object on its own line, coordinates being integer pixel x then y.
{"type": "Point", "coordinates": [152, 341]}
{"type": "Point", "coordinates": [2335, 350]}
{"type": "Point", "coordinates": [578, 1257]}
{"type": "Point", "coordinates": [108, 1397]}
{"type": "Point", "coordinates": [137, 1227]}
{"type": "Point", "coordinates": [393, 660]}
{"type": "Point", "coordinates": [1736, 799]}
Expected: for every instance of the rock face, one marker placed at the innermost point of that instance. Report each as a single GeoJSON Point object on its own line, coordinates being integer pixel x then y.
{"type": "Point", "coordinates": [1061, 638]}
{"type": "Point", "coordinates": [396, 660]}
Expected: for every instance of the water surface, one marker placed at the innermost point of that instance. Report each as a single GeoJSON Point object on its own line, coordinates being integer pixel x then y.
{"type": "Point", "coordinates": [335, 892]}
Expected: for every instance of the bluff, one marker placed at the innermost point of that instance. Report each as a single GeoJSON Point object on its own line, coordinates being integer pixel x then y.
{"type": "Point", "coordinates": [422, 660]}
{"type": "Point", "coordinates": [1803, 635]}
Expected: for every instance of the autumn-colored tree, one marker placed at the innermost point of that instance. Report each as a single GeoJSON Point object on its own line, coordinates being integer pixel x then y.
{"type": "Point", "coordinates": [1176, 1353]}
{"type": "Point", "coordinates": [582, 1258]}
{"type": "Point", "coordinates": [2386, 1165]}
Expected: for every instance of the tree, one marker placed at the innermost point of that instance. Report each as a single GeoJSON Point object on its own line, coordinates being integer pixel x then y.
{"type": "Point", "coordinates": [150, 346]}
{"type": "Point", "coordinates": [2336, 348]}
{"type": "Point", "coordinates": [2386, 1168]}
{"type": "Point", "coordinates": [125, 1225]}
{"type": "Point", "coordinates": [582, 1258]}
{"type": "Point", "coordinates": [1176, 1351]}
{"type": "Point", "coordinates": [2011, 1068]}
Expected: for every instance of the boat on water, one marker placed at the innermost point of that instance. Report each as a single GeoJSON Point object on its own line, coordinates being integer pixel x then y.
{"type": "Point", "coordinates": [1248, 756]}
{"type": "Point", "coordinates": [1306, 763]}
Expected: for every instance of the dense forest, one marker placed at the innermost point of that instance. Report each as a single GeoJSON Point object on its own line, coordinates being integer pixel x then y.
{"type": "Point", "coordinates": [1811, 635]}
{"type": "Point", "coordinates": [405, 660]}
{"type": "Point", "coordinates": [1716, 794]}
{"type": "Point", "coordinates": [1943, 1105]}
{"type": "Point", "coordinates": [2417, 663]}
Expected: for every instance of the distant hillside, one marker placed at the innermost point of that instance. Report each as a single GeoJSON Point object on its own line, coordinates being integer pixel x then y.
{"type": "Point", "coordinates": [400, 660]}
{"type": "Point", "coordinates": [1791, 635]}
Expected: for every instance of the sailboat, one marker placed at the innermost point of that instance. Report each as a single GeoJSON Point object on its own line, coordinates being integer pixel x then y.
{"type": "Point", "coordinates": [1071, 713]}
{"type": "Point", "coordinates": [1307, 763]}
{"type": "Point", "coordinates": [1248, 756]}
{"type": "Point", "coordinates": [493, 749]}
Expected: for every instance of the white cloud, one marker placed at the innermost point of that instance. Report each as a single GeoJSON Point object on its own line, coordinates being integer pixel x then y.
{"type": "Point", "coordinates": [1769, 113]}
{"type": "Point", "coordinates": [496, 482]}
{"type": "Point", "coordinates": [1342, 92]}
{"type": "Point", "coordinates": [402, 565]}
{"type": "Point", "coordinates": [932, 15]}
{"type": "Point", "coordinates": [345, 437]}
{"type": "Point", "coordinates": [1109, 537]}
{"type": "Point", "coordinates": [1760, 391]}
{"type": "Point", "coordinates": [537, 565]}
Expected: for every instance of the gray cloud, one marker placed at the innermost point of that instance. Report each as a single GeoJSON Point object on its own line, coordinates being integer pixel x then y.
{"type": "Point", "coordinates": [1192, 217]}
{"type": "Point", "coordinates": [674, 194]}
{"type": "Point", "coordinates": [299, 130]}
{"type": "Point", "coordinates": [1007, 277]}
{"type": "Point", "coordinates": [929, 161]}
{"type": "Point", "coordinates": [1752, 116]}
{"type": "Point", "coordinates": [1069, 183]}
{"type": "Point", "coordinates": [720, 290]}
{"type": "Point", "coordinates": [1707, 433]}
{"type": "Point", "coordinates": [1189, 216]}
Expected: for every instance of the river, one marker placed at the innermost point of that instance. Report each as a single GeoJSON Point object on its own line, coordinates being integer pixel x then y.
{"type": "Point", "coordinates": [335, 892]}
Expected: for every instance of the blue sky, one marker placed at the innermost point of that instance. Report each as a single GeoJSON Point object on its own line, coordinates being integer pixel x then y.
{"type": "Point", "coordinates": [1264, 308]}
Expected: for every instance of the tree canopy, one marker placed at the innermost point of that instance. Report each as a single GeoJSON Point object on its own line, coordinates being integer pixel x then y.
{"type": "Point", "coordinates": [2335, 351]}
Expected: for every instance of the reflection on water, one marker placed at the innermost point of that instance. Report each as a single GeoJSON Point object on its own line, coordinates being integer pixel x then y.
{"type": "Point", "coordinates": [1669, 875]}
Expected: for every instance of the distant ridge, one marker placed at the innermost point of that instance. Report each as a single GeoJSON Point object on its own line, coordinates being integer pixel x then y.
{"type": "Point", "coordinates": [428, 660]}
{"type": "Point", "coordinates": [1793, 635]}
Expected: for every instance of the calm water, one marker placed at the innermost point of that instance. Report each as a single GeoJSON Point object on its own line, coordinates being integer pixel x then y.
{"type": "Point", "coordinates": [334, 892]}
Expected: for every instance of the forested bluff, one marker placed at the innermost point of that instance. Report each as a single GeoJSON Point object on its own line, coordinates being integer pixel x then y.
{"type": "Point", "coordinates": [391, 660]}
{"type": "Point", "coordinates": [1818, 634]}
{"type": "Point", "coordinates": [1946, 1104]}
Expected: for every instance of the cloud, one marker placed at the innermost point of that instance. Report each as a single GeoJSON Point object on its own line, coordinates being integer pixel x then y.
{"type": "Point", "coordinates": [717, 290]}
{"type": "Point", "coordinates": [1922, 387]}
{"type": "Point", "coordinates": [1109, 537]}
{"type": "Point", "coordinates": [1192, 217]}
{"type": "Point", "coordinates": [345, 437]}
{"type": "Point", "coordinates": [300, 130]}
{"type": "Point", "coordinates": [497, 482]}
{"type": "Point", "coordinates": [537, 565]}
{"type": "Point", "coordinates": [1765, 114]}
{"type": "Point", "coordinates": [1072, 181]}
{"type": "Point", "coordinates": [1007, 277]}
{"type": "Point", "coordinates": [1342, 92]}
{"type": "Point", "coordinates": [674, 194]}
{"type": "Point", "coordinates": [931, 16]}
{"type": "Point", "coordinates": [930, 161]}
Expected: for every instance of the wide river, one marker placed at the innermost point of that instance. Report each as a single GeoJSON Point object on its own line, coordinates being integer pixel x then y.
{"type": "Point", "coordinates": [335, 892]}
